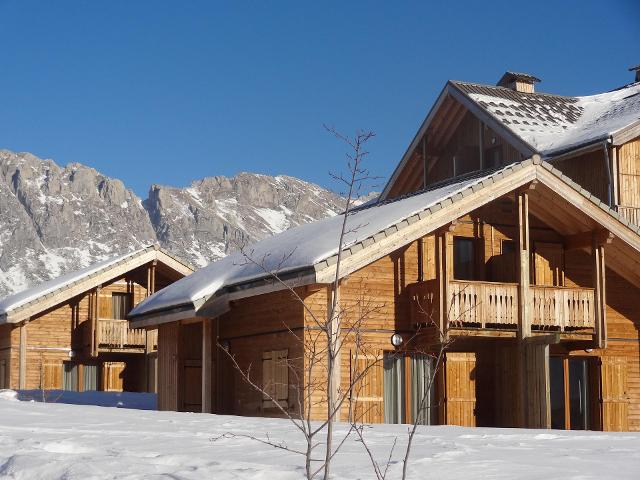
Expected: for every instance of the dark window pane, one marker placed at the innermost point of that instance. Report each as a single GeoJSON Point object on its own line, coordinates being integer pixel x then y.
{"type": "Point", "coordinates": [463, 258]}
{"type": "Point", "coordinates": [556, 373]}
{"type": "Point", "coordinates": [120, 305]}
{"type": "Point", "coordinates": [579, 393]}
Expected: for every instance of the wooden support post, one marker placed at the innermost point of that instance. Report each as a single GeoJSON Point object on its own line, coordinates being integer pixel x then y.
{"type": "Point", "coordinates": [599, 285]}
{"type": "Point", "coordinates": [22, 357]}
{"type": "Point", "coordinates": [336, 335]}
{"type": "Point", "coordinates": [207, 363]}
{"type": "Point", "coordinates": [420, 260]}
{"type": "Point", "coordinates": [95, 303]}
{"type": "Point", "coordinates": [614, 175]}
{"type": "Point", "coordinates": [442, 281]}
{"type": "Point", "coordinates": [524, 319]}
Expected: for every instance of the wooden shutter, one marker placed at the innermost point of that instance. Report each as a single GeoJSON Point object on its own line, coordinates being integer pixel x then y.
{"type": "Point", "coordinates": [105, 308]}
{"type": "Point", "coordinates": [275, 378]}
{"type": "Point", "coordinates": [367, 379]}
{"type": "Point", "coordinates": [615, 400]}
{"type": "Point", "coordinates": [460, 378]}
{"type": "Point", "coordinates": [112, 376]}
{"type": "Point", "coordinates": [549, 264]}
{"type": "Point", "coordinates": [52, 376]}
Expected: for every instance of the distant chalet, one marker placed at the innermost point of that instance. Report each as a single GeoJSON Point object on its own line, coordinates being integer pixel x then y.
{"type": "Point", "coordinates": [71, 332]}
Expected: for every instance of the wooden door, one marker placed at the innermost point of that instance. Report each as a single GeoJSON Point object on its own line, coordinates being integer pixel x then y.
{"type": "Point", "coordinates": [368, 383]}
{"type": "Point", "coordinates": [113, 376]}
{"type": "Point", "coordinates": [549, 264]}
{"type": "Point", "coordinates": [192, 386]}
{"type": "Point", "coordinates": [460, 380]}
{"type": "Point", "coordinates": [52, 376]}
{"type": "Point", "coordinates": [615, 399]}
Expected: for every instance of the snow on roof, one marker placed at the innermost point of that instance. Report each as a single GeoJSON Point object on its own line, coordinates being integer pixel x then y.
{"type": "Point", "coordinates": [21, 299]}
{"type": "Point", "coordinates": [296, 249]}
{"type": "Point", "coordinates": [552, 124]}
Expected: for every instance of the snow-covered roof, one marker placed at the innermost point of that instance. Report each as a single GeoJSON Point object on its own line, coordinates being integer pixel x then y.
{"type": "Point", "coordinates": [553, 124]}
{"type": "Point", "coordinates": [297, 249]}
{"type": "Point", "coordinates": [56, 286]}
{"type": "Point", "coordinates": [304, 255]}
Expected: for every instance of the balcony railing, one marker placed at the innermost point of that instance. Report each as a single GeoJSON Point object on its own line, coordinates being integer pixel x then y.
{"type": "Point", "coordinates": [492, 305]}
{"type": "Point", "coordinates": [116, 334]}
{"type": "Point", "coordinates": [630, 213]}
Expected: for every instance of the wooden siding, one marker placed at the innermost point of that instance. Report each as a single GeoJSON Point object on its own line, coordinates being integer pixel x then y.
{"type": "Point", "coordinates": [589, 171]}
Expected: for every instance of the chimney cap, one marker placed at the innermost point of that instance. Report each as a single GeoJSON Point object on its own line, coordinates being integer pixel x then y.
{"type": "Point", "coordinates": [634, 69]}
{"type": "Point", "coordinates": [509, 77]}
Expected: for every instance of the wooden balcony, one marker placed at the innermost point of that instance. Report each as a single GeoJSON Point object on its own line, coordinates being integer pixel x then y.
{"type": "Point", "coordinates": [494, 306]}
{"type": "Point", "coordinates": [115, 335]}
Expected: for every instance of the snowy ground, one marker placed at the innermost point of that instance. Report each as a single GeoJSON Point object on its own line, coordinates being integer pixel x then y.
{"type": "Point", "coordinates": [57, 441]}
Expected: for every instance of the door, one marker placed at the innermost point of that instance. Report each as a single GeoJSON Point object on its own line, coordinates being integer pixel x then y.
{"type": "Point", "coordinates": [70, 377]}
{"type": "Point", "coordinates": [192, 388]}
{"type": "Point", "coordinates": [367, 396]}
{"type": "Point", "coordinates": [460, 385]}
{"type": "Point", "coordinates": [549, 264]}
{"type": "Point", "coordinates": [571, 393]}
{"type": "Point", "coordinates": [615, 399]}
{"type": "Point", "coordinates": [113, 376]}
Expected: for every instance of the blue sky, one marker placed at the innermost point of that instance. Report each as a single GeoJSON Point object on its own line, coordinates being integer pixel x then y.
{"type": "Point", "coordinates": [168, 92]}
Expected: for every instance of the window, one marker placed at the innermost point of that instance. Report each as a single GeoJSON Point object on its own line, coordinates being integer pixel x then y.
{"type": "Point", "coordinates": [120, 305]}
{"type": "Point", "coordinates": [90, 377]}
{"type": "Point", "coordinates": [70, 377]}
{"type": "Point", "coordinates": [405, 384]}
{"type": "Point", "coordinates": [275, 378]}
{"type": "Point", "coordinates": [493, 156]}
{"type": "Point", "coordinates": [464, 258]}
{"type": "Point", "coordinates": [393, 388]}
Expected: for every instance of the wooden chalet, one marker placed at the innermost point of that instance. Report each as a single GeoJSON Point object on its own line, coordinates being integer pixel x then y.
{"type": "Point", "coordinates": [71, 333]}
{"type": "Point", "coordinates": [511, 222]}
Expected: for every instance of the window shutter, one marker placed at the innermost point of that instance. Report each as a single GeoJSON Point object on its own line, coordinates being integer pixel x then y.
{"type": "Point", "coordinates": [275, 378]}
{"type": "Point", "coordinates": [267, 375]}
{"type": "Point", "coordinates": [282, 375]}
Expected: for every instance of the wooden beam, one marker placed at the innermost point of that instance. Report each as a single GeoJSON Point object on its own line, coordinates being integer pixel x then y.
{"type": "Point", "coordinates": [22, 354]}
{"type": "Point", "coordinates": [599, 284]}
{"type": "Point", "coordinates": [524, 320]}
{"type": "Point", "coordinates": [207, 364]}
{"type": "Point", "coordinates": [588, 239]}
{"type": "Point", "coordinates": [440, 261]}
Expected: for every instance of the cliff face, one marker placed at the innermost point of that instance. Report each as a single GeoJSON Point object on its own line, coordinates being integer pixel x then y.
{"type": "Point", "coordinates": [56, 219]}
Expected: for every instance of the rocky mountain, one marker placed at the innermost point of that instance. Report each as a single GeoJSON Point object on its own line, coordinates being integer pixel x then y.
{"type": "Point", "coordinates": [56, 219]}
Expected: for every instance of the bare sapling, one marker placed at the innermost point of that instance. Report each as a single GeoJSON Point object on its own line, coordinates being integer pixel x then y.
{"type": "Point", "coordinates": [316, 373]}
